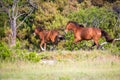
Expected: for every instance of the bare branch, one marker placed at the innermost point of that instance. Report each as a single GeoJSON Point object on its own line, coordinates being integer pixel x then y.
{"type": "Point", "coordinates": [20, 15]}
{"type": "Point", "coordinates": [3, 8]}
{"type": "Point", "coordinates": [25, 18]}
{"type": "Point", "coordinates": [32, 4]}
{"type": "Point", "coordinates": [13, 8]}
{"type": "Point", "coordinates": [17, 9]}
{"type": "Point", "coordinates": [103, 43]}
{"type": "Point", "coordinates": [1, 3]}
{"type": "Point", "coordinates": [117, 39]}
{"type": "Point", "coordinates": [9, 14]}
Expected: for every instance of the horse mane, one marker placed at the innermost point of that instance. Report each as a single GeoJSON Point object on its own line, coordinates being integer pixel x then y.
{"type": "Point", "coordinates": [39, 28]}
{"type": "Point", "coordinates": [79, 25]}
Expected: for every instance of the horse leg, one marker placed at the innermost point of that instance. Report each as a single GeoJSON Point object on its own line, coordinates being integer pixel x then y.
{"type": "Point", "coordinates": [53, 47]}
{"type": "Point", "coordinates": [76, 41]}
{"type": "Point", "coordinates": [44, 46]}
{"type": "Point", "coordinates": [96, 42]}
{"type": "Point", "coordinates": [54, 42]}
{"type": "Point", "coordinates": [92, 45]}
{"type": "Point", "coordinates": [41, 46]}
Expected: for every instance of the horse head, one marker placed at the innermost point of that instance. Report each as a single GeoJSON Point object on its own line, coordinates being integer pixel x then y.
{"type": "Point", "coordinates": [71, 25]}
{"type": "Point", "coordinates": [37, 30]}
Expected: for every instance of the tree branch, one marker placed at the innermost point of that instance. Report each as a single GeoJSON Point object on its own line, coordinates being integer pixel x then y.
{"type": "Point", "coordinates": [17, 9]}
{"type": "Point", "coordinates": [32, 4]}
{"type": "Point", "coordinates": [9, 14]}
{"type": "Point", "coordinates": [1, 3]}
{"type": "Point", "coordinates": [103, 43]}
{"type": "Point", "coordinates": [25, 18]}
{"type": "Point", "coordinates": [20, 15]}
{"type": "Point", "coordinates": [118, 39]}
{"type": "Point", "coordinates": [3, 8]}
{"type": "Point", "coordinates": [13, 9]}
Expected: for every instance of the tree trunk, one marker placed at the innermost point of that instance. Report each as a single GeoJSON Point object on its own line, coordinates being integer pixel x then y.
{"type": "Point", "coordinates": [13, 28]}
{"type": "Point", "coordinates": [13, 16]}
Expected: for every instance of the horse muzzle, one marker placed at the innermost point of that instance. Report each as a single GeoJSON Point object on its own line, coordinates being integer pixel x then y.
{"type": "Point", "coordinates": [66, 31]}
{"type": "Point", "coordinates": [34, 34]}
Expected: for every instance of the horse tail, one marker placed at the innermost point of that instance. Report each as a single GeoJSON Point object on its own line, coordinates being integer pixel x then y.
{"type": "Point", "coordinates": [58, 38]}
{"type": "Point", "coordinates": [61, 37]}
{"type": "Point", "coordinates": [107, 37]}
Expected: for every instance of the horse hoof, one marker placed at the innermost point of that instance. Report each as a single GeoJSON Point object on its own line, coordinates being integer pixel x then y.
{"type": "Point", "coordinates": [43, 49]}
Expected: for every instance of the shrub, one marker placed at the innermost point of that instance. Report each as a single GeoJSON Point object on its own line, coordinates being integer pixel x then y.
{"type": "Point", "coordinates": [94, 17]}
{"type": "Point", "coordinates": [33, 57]}
{"type": "Point", "coordinates": [5, 52]}
{"type": "Point", "coordinates": [69, 45]}
{"type": "Point", "coordinates": [45, 55]}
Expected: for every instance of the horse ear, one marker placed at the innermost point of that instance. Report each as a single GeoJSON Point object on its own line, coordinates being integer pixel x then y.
{"type": "Point", "coordinates": [80, 25]}
{"type": "Point", "coordinates": [39, 28]}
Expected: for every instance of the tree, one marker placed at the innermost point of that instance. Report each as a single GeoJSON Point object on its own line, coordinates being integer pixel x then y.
{"type": "Point", "coordinates": [16, 9]}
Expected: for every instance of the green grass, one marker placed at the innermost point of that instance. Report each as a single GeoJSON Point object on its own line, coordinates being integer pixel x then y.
{"type": "Point", "coordinates": [93, 65]}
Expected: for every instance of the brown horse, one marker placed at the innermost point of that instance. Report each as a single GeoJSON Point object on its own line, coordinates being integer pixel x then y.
{"type": "Point", "coordinates": [87, 33]}
{"type": "Point", "coordinates": [47, 36]}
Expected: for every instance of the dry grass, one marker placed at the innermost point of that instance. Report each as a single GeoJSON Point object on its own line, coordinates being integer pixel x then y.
{"type": "Point", "coordinates": [76, 65]}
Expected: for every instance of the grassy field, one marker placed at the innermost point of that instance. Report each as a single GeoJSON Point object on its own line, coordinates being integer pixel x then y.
{"type": "Point", "coordinates": [88, 65]}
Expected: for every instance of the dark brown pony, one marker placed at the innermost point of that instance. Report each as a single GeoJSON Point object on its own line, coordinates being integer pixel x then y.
{"type": "Point", "coordinates": [87, 33]}
{"type": "Point", "coordinates": [47, 36]}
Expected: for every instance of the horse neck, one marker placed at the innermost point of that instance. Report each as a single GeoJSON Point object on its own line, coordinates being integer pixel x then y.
{"type": "Point", "coordinates": [44, 33]}
{"type": "Point", "coordinates": [74, 29]}
{"type": "Point", "coordinates": [41, 34]}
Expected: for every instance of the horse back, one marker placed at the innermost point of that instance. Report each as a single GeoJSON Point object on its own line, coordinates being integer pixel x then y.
{"type": "Point", "coordinates": [53, 35]}
{"type": "Point", "coordinates": [43, 34]}
{"type": "Point", "coordinates": [48, 35]}
{"type": "Point", "coordinates": [89, 33]}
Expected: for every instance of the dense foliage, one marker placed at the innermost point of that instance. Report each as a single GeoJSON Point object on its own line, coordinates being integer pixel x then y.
{"type": "Point", "coordinates": [54, 14]}
{"type": "Point", "coordinates": [5, 53]}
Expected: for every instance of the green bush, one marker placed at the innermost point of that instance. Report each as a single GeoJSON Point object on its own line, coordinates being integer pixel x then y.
{"type": "Point", "coordinates": [97, 17]}
{"type": "Point", "coordinates": [69, 41]}
{"type": "Point", "coordinates": [69, 45]}
{"type": "Point", "coordinates": [33, 57]}
{"type": "Point", "coordinates": [102, 18]}
{"type": "Point", "coordinates": [5, 52]}
{"type": "Point", "coordinates": [45, 55]}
